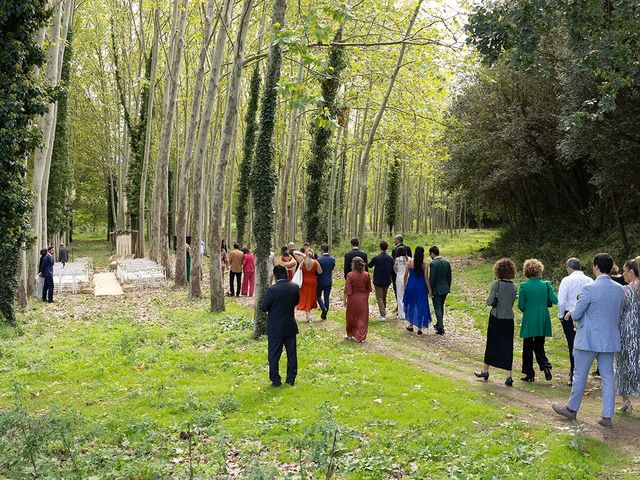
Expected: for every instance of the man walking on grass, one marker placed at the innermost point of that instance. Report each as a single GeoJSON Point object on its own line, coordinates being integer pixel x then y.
{"type": "Point", "coordinates": [279, 302]}
{"type": "Point", "coordinates": [383, 267]}
{"type": "Point", "coordinates": [597, 319]}
{"type": "Point", "coordinates": [325, 279]}
{"type": "Point", "coordinates": [440, 279]}
{"type": "Point", "coordinates": [63, 254]}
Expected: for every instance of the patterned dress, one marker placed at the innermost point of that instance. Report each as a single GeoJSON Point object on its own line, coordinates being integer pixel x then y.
{"type": "Point", "coordinates": [628, 359]}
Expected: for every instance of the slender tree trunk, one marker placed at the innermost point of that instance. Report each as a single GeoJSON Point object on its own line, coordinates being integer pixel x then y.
{"type": "Point", "coordinates": [228, 127]}
{"type": "Point", "coordinates": [185, 173]}
{"type": "Point", "coordinates": [161, 187]}
{"type": "Point", "coordinates": [378, 118]}
{"type": "Point", "coordinates": [195, 290]}
{"type": "Point", "coordinates": [140, 245]}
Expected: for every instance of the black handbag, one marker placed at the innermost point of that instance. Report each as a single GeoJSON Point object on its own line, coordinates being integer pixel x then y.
{"type": "Point", "coordinates": [549, 302]}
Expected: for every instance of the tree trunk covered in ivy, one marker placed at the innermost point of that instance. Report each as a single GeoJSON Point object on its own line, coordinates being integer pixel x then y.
{"type": "Point", "coordinates": [58, 208]}
{"type": "Point", "coordinates": [137, 139]}
{"type": "Point", "coordinates": [21, 100]}
{"type": "Point", "coordinates": [321, 151]}
{"type": "Point", "coordinates": [393, 185]}
{"type": "Point", "coordinates": [244, 183]}
{"type": "Point", "coordinates": [264, 182]}
{"type": "Point", "coordinates": [229, 124]}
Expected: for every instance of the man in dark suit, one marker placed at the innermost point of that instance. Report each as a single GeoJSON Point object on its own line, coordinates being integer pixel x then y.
{"type": "Point", "coordinates": [440, 279]}
{"type": "Point", "coordinates": [63, 254]}
{"type": "Point", "coordinates": [399, 242]}
{"type": "Point", "coordinates": [47, 275]}
{"type": "Point", "coordinates": [325, 279]}
{"type": "Point", "coordinates": [383, 266]}
{"type": "Point", "coordinates": [279, 302]}
{"type": "Point", "coordinates": [355, 252]}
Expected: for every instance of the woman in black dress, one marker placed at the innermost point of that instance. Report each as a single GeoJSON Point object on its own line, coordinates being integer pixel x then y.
{"type": "Point", "coordinates": [499, 349]}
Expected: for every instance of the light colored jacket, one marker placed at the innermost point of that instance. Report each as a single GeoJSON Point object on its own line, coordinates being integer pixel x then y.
{"type": "Point", "coordinates": [597, 316]}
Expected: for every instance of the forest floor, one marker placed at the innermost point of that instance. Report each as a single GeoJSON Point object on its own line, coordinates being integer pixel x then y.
{"type": "Point", "coordinates": [153, 385]}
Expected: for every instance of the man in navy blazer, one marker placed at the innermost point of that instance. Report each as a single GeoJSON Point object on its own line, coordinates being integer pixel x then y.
{"type": "Point", "coordinates": [325, 279]}
{"type": "Point", "coordinates": [280, 301]}
{"type": "Point", "coordinates": [597, 319]}
{"type": "Point", "coordinates": [47, 275]}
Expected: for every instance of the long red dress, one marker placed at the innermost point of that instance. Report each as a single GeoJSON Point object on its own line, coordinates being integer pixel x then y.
{"type": "Point", "coordinates": [308, 292]}
{"type": "Point", "coordinates": [357, 289]}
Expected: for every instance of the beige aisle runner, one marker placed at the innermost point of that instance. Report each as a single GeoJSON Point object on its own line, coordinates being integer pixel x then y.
{"type": "Point", "coordinates": [106, 284]}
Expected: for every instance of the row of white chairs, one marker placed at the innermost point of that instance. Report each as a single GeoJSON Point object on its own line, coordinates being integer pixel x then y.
{"type": "Point", "coordinates": [71, 276]}
{"type": "Point", "coordinates": [141, 272]}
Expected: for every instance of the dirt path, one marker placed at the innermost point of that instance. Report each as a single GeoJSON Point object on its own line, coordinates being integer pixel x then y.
{"type": "Point", "coordinates": [457, 354]}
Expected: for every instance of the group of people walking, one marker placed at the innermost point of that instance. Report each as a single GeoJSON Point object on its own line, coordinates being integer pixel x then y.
{"type": "Point", "coordinates": [600, 320]}
{"type": "Point", "coordinates": [303, 281]}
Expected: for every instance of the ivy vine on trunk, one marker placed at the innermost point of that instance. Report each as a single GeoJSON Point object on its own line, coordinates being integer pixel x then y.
{"type": "Point", "coordinates": [60, 177]}
{"type": "Point", "coordinates": [264, 180]}
{"type": "Point", "coordinates": [244, 183]}
{"type": "Point", "coordinates": [21, 99]}
{"type": "Point", "coordinates": [393, 190]}
{"type": "Point", "coordinates": [321, 150]}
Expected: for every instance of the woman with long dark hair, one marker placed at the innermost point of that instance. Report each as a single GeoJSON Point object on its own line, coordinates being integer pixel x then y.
{"type": "Point", "coordinates": [357, 288]}
{"type": "Point", "coordinates": [417, 292]}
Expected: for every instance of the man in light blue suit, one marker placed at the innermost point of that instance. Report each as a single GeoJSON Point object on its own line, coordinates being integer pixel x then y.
{"type": "Point", "coordinates": [597, 320]}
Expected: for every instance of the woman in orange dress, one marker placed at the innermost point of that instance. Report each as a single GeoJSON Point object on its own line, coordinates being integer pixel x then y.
{"type": "Point", "coordinates": [356, 295]}
{"type": "Point", "coordinates": [310, 270]}
{"type": "Point", "coordinates": [287, 261]}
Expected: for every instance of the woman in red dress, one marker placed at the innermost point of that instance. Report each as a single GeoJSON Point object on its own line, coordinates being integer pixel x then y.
{"type": "Point", "coordinates": [356, 295]}
{"type": "Point", "coordinates": [310, 270]}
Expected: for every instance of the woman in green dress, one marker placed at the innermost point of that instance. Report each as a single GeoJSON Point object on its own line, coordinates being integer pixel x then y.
{"type": "Point", "coordinates": [534, 300]}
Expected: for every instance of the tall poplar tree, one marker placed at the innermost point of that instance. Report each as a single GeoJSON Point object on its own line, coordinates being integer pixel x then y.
{"type": "Point", "coordinates": [21, 100]}
{"type": "Point", "coordinates": [264, 180]}
{"type": "Point", "coordinates": [248, 148]}
{"type": "Point", "coordinates": [321, 150]}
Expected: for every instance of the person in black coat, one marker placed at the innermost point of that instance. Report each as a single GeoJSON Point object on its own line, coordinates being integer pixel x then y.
{"type": "Point", "coordinates": [47, 273]}
{"type": "Point", "coordinates": [383, 267]}
{"type": "Point", "coordinates": [280, 301]}
{"type": "Point", "coordinates": [355, 252]}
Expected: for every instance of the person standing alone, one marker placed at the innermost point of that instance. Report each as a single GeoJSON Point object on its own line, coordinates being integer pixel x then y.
{"type": "Point", "coordinates": [325, 279]}
{"type": "Point", "coordinates": [63, 254]}
{"type": "Point", "coordinates": [279, 302]}
{"type": "Point", "coordinates": [47, 275]}
{"type": "Point", "coordinates": [235, 266]}
{"type": "Point", "coordinates": [383, 269]}
{"type": "Point", "coordinates": [597, 317]}
{"type": "Point", "coordinates": [440, 278]}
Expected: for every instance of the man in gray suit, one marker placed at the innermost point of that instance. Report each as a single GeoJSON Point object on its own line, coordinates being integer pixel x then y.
{"type": "Point", "coordinates": [597, 319]}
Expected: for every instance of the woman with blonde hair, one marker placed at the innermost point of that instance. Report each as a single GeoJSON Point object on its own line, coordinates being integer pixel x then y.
{"type": "Point", "coordinates": [356, 295]}
{"type": "Point", "coordinates": [502, 295]}
{"type": "Point", "coordinates": [628, 358]}
{"type": "Point", "coordinates": [534, 300]}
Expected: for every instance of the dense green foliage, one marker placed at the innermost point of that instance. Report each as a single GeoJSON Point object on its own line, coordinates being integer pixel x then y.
{"type": "Point", "coordinates": [263, 181]}
{"type": "Point", "coordinates": [243, 198]}
{"type": "Point", "coordinates": [21, 100]}
{"type": "Point", "coordinates": [321, 149]}
{"type": "Point", "coordinates": [393, 187]}
{"type": "Point", "coordinates": [61, 173]}
{"type": "Point", "coordinates": [549, 124]}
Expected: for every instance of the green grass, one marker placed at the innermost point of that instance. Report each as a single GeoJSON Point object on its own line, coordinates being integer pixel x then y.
{"type": "Point", "coordinates": [153, 385]}
{"type": "Point", "coordinates": [133, 385]}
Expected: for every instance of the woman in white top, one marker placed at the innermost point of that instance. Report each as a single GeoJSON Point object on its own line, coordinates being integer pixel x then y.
{"type": "Point", "coordinates": [399, 268]}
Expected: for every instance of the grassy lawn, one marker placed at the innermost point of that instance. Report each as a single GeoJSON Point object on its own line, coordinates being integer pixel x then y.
{"type": "Point", "coordinates": [152, 386]}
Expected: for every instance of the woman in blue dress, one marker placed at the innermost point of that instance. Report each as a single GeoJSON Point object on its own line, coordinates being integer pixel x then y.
{"type": "Point", "coordinates": [417, 292]}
